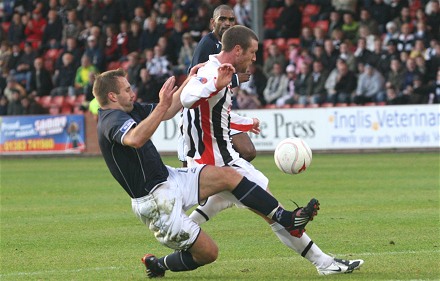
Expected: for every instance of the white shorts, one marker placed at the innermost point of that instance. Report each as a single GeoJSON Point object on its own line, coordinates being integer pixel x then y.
{"type": "Point", "coordinates": [163, 210]}
{"type": "Point", "coordinates": [181, 148]}
{"type": "Point", "coordinates": [245, 169]}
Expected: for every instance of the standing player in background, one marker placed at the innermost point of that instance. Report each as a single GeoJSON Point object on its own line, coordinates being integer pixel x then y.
{"type": "Point", "coordinates": [206, 122]}
{"type": "Point", "coordinates": [160, 195]}
{"type": "Point", "coordinates": [222, 19]}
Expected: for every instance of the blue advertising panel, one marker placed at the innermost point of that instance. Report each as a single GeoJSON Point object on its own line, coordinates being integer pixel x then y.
{"type": "Point", "coordinates": [42, 134]}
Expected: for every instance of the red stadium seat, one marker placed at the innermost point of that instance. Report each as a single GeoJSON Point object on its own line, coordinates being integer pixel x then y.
{"type": "Point", "coordinates": [45, 101]}
{"type": "Point", "coordinates": [57, 101]}
{"type": "Point", "coordinates": [323, 24]}
{"type": "Point", "coordinates": [327, 104]}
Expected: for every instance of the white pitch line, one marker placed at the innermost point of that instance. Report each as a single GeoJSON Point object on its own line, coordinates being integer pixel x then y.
{"type": "Point", "coordinates": [61, 271]}
{"type": "Point", "coordinates": [228, 261]}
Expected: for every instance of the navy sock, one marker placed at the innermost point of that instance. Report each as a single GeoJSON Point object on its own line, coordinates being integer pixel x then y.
{"type": "Point", "coordinates": [179, 261]}
{"type": "Point", "coordinates": [283, 217]}
{"type": "Point", "coordinates": [254, 197]}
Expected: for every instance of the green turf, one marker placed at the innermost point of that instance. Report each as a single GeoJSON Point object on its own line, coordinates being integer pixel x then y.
{"type": "Point", "coordinates": [67, 219]}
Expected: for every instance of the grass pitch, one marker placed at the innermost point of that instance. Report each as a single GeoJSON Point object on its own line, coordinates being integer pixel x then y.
{"type": "Point", "coordinates": [67, 219]}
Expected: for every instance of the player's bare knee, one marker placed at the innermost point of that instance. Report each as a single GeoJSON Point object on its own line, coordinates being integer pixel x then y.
{"type": "Point", "coordinates": [208, 255]}
{"type": "Point", "coordinates": [248, 153]}
{"type": "Point", "coordinates": [230, 177]}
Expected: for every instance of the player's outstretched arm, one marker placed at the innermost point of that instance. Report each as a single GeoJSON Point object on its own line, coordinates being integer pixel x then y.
{"type": "Point", "coordinates": [139, 135]}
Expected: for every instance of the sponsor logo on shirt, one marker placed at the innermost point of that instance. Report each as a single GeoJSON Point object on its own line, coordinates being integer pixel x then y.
{"type": "Point", "coordinates": [202, 80]}
{"type": "Point", "coordinates": [127, 125]}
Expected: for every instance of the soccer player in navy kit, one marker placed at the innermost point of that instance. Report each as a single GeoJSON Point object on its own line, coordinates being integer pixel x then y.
{"type": "Point", "coordinates": [160, 195]}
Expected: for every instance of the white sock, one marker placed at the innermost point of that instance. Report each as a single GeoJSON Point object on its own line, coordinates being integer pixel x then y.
{"type": "Point", "coordinates": [214, 205]}
{"type": "Point", "coordinates": [303, 246]}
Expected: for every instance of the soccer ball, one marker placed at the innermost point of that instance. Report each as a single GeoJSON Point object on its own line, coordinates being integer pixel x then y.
{"type": "Point", "coordinates": [293, 156]}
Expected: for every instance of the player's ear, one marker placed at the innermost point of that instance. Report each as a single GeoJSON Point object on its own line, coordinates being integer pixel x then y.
{"type": "Point", "coordinates": [112, 96]}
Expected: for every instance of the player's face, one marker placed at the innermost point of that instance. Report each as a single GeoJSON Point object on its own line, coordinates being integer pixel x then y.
{"type": "Point", "coordinates": [125, 97]}
{"type": "Point", "coordinates": [224, 20]}
{"type": "Point", "coordinates": [246, 58]}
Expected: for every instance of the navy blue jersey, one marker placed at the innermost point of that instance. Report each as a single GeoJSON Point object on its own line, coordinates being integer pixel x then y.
{"type": "Point", "coordinates": [208, 45]}
{"type": "Point", "coordinates": [136, 170]}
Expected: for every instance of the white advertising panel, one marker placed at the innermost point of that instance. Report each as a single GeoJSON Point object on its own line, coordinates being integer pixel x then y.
{"type": "Point", "coordinates": [354, 127]}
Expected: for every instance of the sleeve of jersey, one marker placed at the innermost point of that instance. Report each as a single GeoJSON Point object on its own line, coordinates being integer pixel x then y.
{"type": "Point", "coordinates": [118, 126]}
{"type": "Point", "coordinates": [197, 91]}
{"type": "Point", "coordinates": [241, 123]}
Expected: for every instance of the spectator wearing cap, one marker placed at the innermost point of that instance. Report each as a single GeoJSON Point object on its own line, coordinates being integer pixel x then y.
{"type": "Point", "coordinates": [341, 83]}
{"type": "Point", "coordinates": [95, 53]}
{"type": "Point", "coordinates": [370, 86]}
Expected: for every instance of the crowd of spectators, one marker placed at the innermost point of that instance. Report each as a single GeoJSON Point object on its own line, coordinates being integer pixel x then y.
{"type": "Point", "coordinates": [315, 53]}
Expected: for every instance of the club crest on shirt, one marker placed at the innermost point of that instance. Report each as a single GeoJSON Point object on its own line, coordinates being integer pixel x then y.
{"type": "Point", "coordinates": [202, 80]}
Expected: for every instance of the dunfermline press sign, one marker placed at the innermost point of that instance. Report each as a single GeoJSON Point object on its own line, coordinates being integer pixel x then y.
{"type": "Point", "coordinates": [42, 134]}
